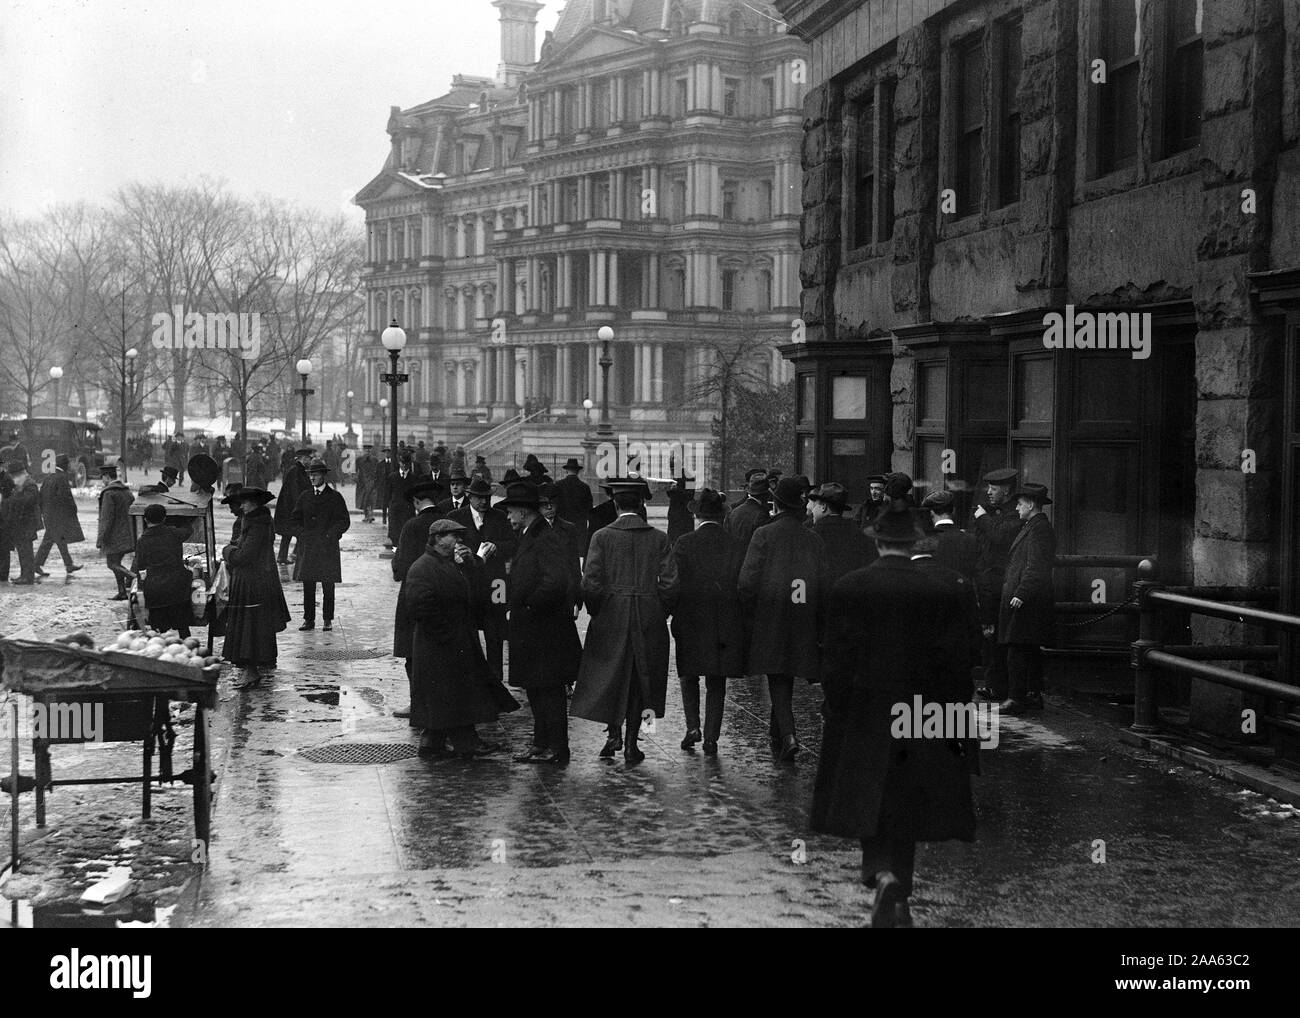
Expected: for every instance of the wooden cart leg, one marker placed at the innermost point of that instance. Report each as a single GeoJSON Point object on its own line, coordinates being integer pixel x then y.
{"type": "Point", "coordinates": [41, 749]}
{"type": "Point", "coordinates": [202, 779]}
{"type": "Point", "coordinates": [13, 814]}
{"type": "Point", "coordinates": [148, 761]}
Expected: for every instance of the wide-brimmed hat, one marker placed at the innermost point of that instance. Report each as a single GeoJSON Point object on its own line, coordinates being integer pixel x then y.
{"type": "Point", "coordinates": [572, 464]}
{"type": "Point", "coordinates": [232, 494]}
{"type": "Point", "coordinates": [425, 489]}
{"type": "Point", "coordinates": [258, 495]}
{"type": "Point", "coordinates": [203, 470]}
{"type": "Point", "coordinates": [789, 492]}
{"type": "Point", "coordinates": [445, 526]}
{"type": "Point", "coordinates": [708, 503]}
{"type": "Point", "coordinates": [521, 494]}
{"type": "Point", "coordinates": [546, 491]}
{"type": "Point", "coordinates": [1034, 492]}
{"type": "Point", "coordinates": [479, 487]}
{"type": "Point", "coordinates": [614, 485]}
{"type": "Point", "coordinates": [832, 495]}
{"type": "Point", "coordinates": [898, 525]}
{"type": "Point", "coordinates": [510, 475]}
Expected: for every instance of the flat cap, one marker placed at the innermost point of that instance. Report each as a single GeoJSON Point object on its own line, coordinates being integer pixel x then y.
{"type": "Point", "coordinates": [444, 526]}
{"type": "Point", "coordinates": [1007, 475]}
{"type": "Point", "coordinates": [938, 500]}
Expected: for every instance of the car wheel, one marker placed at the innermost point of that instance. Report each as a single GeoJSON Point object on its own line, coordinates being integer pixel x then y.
{"type": "Point", "coordinates": [79, 474]}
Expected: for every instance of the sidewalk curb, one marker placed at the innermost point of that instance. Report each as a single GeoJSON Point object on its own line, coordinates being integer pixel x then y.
{"type": "Point", "coordinates": [1252, 776]}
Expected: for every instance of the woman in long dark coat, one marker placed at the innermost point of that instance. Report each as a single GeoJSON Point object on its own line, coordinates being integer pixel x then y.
{"type": "Point", "coordinates": [707, 624]}
{"type": "Point", "coordinates": [257, 608]}
{"type": "Point", "coordinates": [1028, 607]}
{"type": "Point", "coordinates": [451, 691]}
{"type": "Point", "coordinates": [160, 554]}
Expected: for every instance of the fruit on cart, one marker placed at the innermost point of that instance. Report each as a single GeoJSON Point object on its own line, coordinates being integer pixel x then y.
{"type": "Point", "coordinates": [168, 646]}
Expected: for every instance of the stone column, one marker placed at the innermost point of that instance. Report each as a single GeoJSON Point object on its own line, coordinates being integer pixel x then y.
{"type": "Point", "coordinates": [613, 279]}
{"type": "Point", "coordinates": [657, 373]}
{"type": "Point", "coordinates": [602, 290]}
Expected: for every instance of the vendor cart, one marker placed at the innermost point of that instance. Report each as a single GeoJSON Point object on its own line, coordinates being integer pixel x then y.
{"type": "Point", "coordinates": [135, 693]}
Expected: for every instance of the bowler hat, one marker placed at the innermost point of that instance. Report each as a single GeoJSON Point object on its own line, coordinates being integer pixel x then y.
{"type": "Point", "coordinates": [832, 495]}
{"type": "Point", "coordinates": [546, 491]}
{"type": "Point", "coordinates": [939, 501]}
{"type": "Point", "coordinates": [572, 464]}
{"type": "Point", "coordinates": [425, 489]}
{"type": "Point", "coordinates": [709, 504]}
{"type": "Point", "coordinates": [444, 526]}
{"type": "Point", "coordinates": [520, 494]}
{"type": "Point", "coordinates": [258, 495]}
{"type": "Point", "coordinates": [170, 472]}
{"type": "Point", "coordinates": [1036, 493]}
{"type": "Point", "coordinates": [789, 492]}
{"type": "Point", "coordinates": [458, 477]}
{"type": "Point", "coordinates": [479, 487]}
{"type": "Point", "coordinates": [232, 495]}
{"type": "Point", "coordinates": [896, 525]}
{"type": "Point", "coordinates": [318, 467]}
{"type": "Point", "coordinates": [1007, 475]}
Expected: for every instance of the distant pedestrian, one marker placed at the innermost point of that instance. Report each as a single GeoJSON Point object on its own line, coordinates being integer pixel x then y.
{"type": "Point", "coordinates": [481, 470]}
{"type": "Point", "coordinates": [573, 498]}
{"type": "Point", "coordinates": [321, 518]}
{"type": "Point", "coordinates": [680, 497]}
{"type": "Point", "coordinates": [1027, 609]}
{"type": "Point", "coordinates": [22, 521]}
{"type": "Point", "coordinates": [59, 511]}
{"type": "Point", "coordinates": [115, 537]}
{"type": "Point", "coordinates": [367, 476]}
{"type": "Point", "coordinates": [257, 609]}
{"type": "Point", "coordinates": [292, 487]}
{"type": "Point", "coordinates": [996, 525]}
{"type": "Point", "coordinates": [752, 513]}
{"type": "Point", "coordinates": [399, 505]}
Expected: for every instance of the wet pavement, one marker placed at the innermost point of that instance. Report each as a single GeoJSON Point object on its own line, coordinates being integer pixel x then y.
{"type": "Point", "coordinates": [680, 839]}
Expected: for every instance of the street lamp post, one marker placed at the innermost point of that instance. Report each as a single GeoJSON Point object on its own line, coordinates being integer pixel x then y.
{"type": "Point", "coordinates": [605, 429]}
{"type": "Point", "coordinates": [383, 418]}
{"type": "Point", "coordinates": [304, 369]}
{"type": "Point", "coordinates": [128, 385]}
{"type": "Point", "coordinates": [350, 395]}
{"type": "Point", "coordinates": [56, 373]}
{"type": "Point", "coordinates": [394, 339]}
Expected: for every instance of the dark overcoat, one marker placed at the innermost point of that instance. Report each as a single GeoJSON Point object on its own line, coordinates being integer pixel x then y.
{"type": "Point", "coordinates": [452, 686]}
{"type": "Point", "coordinates": [400, 508]}
{"type": "Point", "coordinates": [255, 469]}
{"type": "Point", "coordinates": [627, 581]}
{"type": "Point", "coordinates": [746, 518]}
{"type": "Point", "coordinates": [367, 467]}
{"type": "Point", "coordinates": [881, 651]}
{"type": "Point", "coordinates": [294, 484]}
{"type": "Point", "coordinates": [115, 536]}
{"type": "Point", "coordinates": [783, 588]}
{"type": "Point", "coordinates": [166, 585]}
{"type": "Point", "coordinates": [680, 520]}
{"type": "Point", "coordinates": [257, 608]}
{"type": "Point", "coordinates": [321, 520]}
{"type": "Point", "coordinates": [413, 543]}
{"type": "Point", "coordinates": [545, 651]}
{"type": "Point", "coordinates": [957, 550]}
{"type": "Point", "coordinates": [1029, 577]}
{"type": "Point", "coordinates": [847, 547]}
{"type": "Point", "coordinates": [994, 531]}
{"type": "Point", "coordinates": [573, 501]}
{"type": "Point", "coordinates": [707, 624]}
{"type": "Point", "coordinates": [59, 509]}
{"type": "Point", "coordinates": [23, 512]}
{"type": "Point", "coordinates": [573, 540]}
{"type": "Point", "coordinates": [496, 528]}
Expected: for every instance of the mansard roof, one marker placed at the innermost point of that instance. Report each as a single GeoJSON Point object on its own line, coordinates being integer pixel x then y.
{"type": "Point", "coordinates": [651, 15]}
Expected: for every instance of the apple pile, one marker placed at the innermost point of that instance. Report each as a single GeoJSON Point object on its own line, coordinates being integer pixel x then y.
{"type": "Point", "coordinates": [166, 646]}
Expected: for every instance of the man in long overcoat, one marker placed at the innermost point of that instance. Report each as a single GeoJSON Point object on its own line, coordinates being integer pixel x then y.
{"type": "Point", "coordinates": [367, 472]}
{"type": "Point", "coordinates": [680, 498]}
{"type": "Point", "coordinates": [22, 521]}
{"type": "Point", "coordinates": [783, 587]}
{"type": "Point", "coordinates": [59, 510]}
{"type": "Point", "coordinates": [1027, 607]}
{"type": "Point", "coordinates": [572, 540]}
{"type": "Point", "coordinates": [955, 549]}
{"type": "Point", "coordinates": [545, 651]}
{"type": "Point", "coordinates": [292, 487]}
{"type": "Point", "coordinates": [255, 467]}
{"type": "Point", "coordinates": [996, 524]}
{"type": "Point", "coordinates": [573, 499]}
{"type": "Point", "coordinates": [400, 481]}
{"type": "Point", "coordinates": [411, 545]}
{"type": "Point", "coordinates": [627, 581]}
{"type": "Point", "coordinates": [453, 688]}
{"type": "Point", "coordinates": [115, 537]}
{"type": "Point", "coordinates": [752, 513]}
{"type": "Point", "coordinates": [847, 547]}
{"type": "Point", "coordinates": [322, 519]}
{"type": "Point", "coordinates": [488, 534]}
{"type": "Point", "coordinates": [874, 782]}
{"type": "Point", "coordinates": [707, 624]}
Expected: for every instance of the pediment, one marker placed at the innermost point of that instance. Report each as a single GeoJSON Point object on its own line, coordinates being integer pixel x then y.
{"type": "Point", "coordinates": [596, 43]}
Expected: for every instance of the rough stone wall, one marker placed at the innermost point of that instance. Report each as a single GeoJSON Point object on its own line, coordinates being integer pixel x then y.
{"type": "Point", "coordinates": [1237, 355]}
{"type": "Point", "coordinates": [822, 160]}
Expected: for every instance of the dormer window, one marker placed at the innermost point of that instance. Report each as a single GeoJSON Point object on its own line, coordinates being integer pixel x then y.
{"type": "Point", "coordinates": [677, 21]}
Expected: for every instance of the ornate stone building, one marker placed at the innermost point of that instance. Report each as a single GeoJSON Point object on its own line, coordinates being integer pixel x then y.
{"type": "Point", "coordinates": [641, 174]}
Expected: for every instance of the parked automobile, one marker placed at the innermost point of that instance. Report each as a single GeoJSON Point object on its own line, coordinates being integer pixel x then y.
{"type": "Point", "coordinates": [45, 438]}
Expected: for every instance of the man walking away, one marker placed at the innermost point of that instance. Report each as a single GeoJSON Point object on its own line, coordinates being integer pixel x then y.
{"type": "Point", "coordinates": [115, 538]}
{"type": "Point", "coordinates": [752, 513]}
{"type": "Point", "coordinates": [23, 517]}
{"type": "Point", "coordinates": [573, 498]}
{"type": "Point", "coordinates": [59, 510]}
{"type": "Point", "coordinates": [321, 518]}
{"type": "Point", "coordinates": [707, 624]}
{"type": "Point", "coordinates": [954, 548]}
{"type": "Point", "coordinates": [847, 547]}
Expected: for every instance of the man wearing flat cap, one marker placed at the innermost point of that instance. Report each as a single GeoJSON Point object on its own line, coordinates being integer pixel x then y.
{"type": "Point", "coordinates": [996, 524]}
{"type": "Point", "coordinates": [954, 549]}
{"type": "Point", "coordinates": [452, 686]}
{"type": "Point", "coordinates": [847, 547]}
{"type": "Point", "coordinates": [321, 518]}
{"type": "Point", "coordinates": [866, 514]}
{"type": "Point", "coordinates": [1027, 608]}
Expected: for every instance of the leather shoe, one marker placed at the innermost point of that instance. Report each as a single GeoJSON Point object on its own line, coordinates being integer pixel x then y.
{"type": "Point", "coordinates": [306, 626]}
{"type": "Point", "coordinates": [692, 737]}
{"type": "Point", "coordinates": [710, 748]}
{"type": "Point", "coordinates": [556, 757]}
{"type": "Point", "coordinates": [632, 755]}
{"type": "Point", "coordinates": [532, 754]}
{"type": "Point", "coordinates": [1012, 708]}
{"type": "Point", "coordinates": [119, 597]}
{"type": "Point", "coordinates": [612, 745]}
{"type": "Point", "coordinates": [889, 895]}
{"type": "Point", "coordinates": [23, 583]}
{"type": "Point", "coordinates": [430, 748]}
{"type": "Point", "coordinates": [41, 572]}
{"type": "Point", "coordinates": [789, 748]}
{"type": "Point", "coordinates": [402, 713]}
{"type": "Point", "coordinates": [328, 627]}
{"type": "Point", "coordinates": [73, 569]}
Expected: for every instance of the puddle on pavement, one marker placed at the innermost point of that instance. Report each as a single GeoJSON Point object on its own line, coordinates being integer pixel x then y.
{"type": "Point", "coordinates": [139, 913]}
{"type": "Point", "coordinates": [319, 692]}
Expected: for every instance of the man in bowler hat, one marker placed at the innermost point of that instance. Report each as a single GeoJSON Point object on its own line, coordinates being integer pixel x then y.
{"type": "Point", "coordinates": [1027, 608]}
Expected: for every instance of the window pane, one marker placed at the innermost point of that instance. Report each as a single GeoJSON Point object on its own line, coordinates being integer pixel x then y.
{"type": "Point", "coordinates": [1035, 465]}
{"type": "Point", "coordinates": [1033, 391]}
{"type": "Point", "coordinates": [864, 191]}
{"type": "Point", "coordinates": [807, 464]}
{"type": "Point", "coordinates": [1009, 156]}
{"type": "Point", "coordinates": [929, 453]}
{"type": "Point", "coordinates": [1103, 498]}
{"type": "Point", "coordinates": [1120, 29]}
{"type": "Point", "coordinates": [985, 397]}
{"type": "Point", "coordinates": [848, 466]}
{"type": "Point", "coordinates": [807, 399]}
{"type": "Point", "coordinates": [884, 169]}
{"type": "Point", "coordinates": [934, 390]}
{"type": "Point", "coordinates": [849, 398]}
{"type": "Point", "coordinates": [978, 457]}
{"type": "Point", "coordinates": [1107, 391]}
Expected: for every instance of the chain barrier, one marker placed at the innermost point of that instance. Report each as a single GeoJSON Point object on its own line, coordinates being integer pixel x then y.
{"type": "Point", "coordinates": [1093, 620]}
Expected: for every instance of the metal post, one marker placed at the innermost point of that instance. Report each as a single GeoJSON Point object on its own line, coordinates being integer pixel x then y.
{"type": "Point", "coordinates": [13, 793]}
{"type": "Point", "coordinates": [1145, 707]}
{"type": "Point", "coordinates": [605, 429]}
{"type": "Point", "coordinates": [303, 390]}
{"type": "Point", "coordinates": [392, 402]}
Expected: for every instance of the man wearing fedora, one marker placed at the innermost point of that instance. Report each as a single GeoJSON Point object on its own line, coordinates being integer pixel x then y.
{"type": "Point", "coordinates": [22, 521]}
{"type": "Point", "coordinates": [321, 518]}
{"type": "Point", "coordinates": [411, 544]}
{"type": "Point", "coordinates": [752, 513]}
{"type": "Point", "coordinates": [457, 483]}
{"type": "Point", "coordinates": [488, 535]}
{"type": "Point", "coordinates": [886, 789]}
{"type": "Point", "coordinates": [783, 586]}
{"type": "Point", "coordinates": [628, 581]}
{"type": "Point", "coordinates": [954, 548]}
{"type": "Point", "coordinates": [1027, 609]}
{"type": "Point", "coordinates": [59, 511]}
{"type": "Point", "coordinates": [707, 626]}
{"type": "Point", "coordinates": [573, 501]}
{"type": "Point", "coordinates": [545, 651]}
{"type": "Point", "coordinates": [571, 538]}
{"type": "Point", "coordinates": [165, 483]}
{"type": "Point", "coordinates": [996, 525]}
{"type": "Point", "coordinates": [847, 547]}
{"type": "Point", "coordinates": [295, 483]}
{"type": "Point", "coordinates": [400, 481]}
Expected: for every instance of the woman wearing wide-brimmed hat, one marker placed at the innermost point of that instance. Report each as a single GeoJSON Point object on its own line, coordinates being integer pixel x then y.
{"type": "Point", "coordinates": [257, 608]}
{"type": "Point", "coordinates": [1028, 608]}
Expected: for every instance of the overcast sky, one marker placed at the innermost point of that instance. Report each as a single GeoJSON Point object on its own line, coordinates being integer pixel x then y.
{"type": "Point", "coordinates": [273, 97]}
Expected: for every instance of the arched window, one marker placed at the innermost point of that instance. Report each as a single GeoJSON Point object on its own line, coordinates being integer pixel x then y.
{"type": "Point", "coordinates": [765, 289]}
